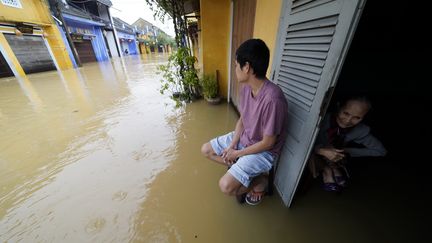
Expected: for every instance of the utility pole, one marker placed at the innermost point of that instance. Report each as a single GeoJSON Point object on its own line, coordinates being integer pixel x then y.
{"type": "Point", "coordinates": [117, 42]}
{"type": "Point", "coordinates": [71, 44]}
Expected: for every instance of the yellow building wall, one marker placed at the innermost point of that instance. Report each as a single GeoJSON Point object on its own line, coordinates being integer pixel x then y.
{"type": "Point", "coordinates": [58, 47]}
{"type": "Point", "coordinates": [32, 11]}
{"type": "Point", "coordinates": [37, 12]}
{"type": "Point", "coordinates": [215, 28]}
{"type": "Point", "coordinates": [143, 50]}
{"type": "Point", "coordinates": [266, 26]}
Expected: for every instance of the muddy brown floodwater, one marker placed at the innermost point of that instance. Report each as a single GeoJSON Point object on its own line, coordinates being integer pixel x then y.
{"type": "Point", "coordinates": [97, 154]}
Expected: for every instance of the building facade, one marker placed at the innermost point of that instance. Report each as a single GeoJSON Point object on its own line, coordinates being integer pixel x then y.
{"type": "Point", "coordinates": [99, 11]}
{"type": "Point", "coordinates": [127, 37]}
{"type": "Point", "coordinates": [85, 33]}
{"type": "Point", "coordinates": [30, 40]}
{"type": "Point", "coordinates": [146, 37]}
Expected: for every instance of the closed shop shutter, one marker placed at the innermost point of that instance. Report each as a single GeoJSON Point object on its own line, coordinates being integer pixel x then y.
{"type": "Point", "coordinates": [31, 52]}
{"type": "Point", "coordinates": [85, 51]}
{"type": "Point", "coordinates": [313, 40]}
{"type": "Point", "coordinates": [5, 70]}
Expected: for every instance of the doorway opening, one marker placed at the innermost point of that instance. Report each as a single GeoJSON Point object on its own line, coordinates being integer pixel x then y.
{"type": "Point", "coordinates": [5, 70]}
{"type": "Point", "coordinates": [384, 62]}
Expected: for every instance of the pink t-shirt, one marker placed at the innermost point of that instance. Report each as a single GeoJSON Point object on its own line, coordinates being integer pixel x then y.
{"type": "Point", "coordinates": [262, 115]}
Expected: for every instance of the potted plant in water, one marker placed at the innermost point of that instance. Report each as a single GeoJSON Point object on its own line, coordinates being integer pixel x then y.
{"type": "Point", "coordinates": [180, 77]}
{"type": "Point", "coordinates": [210, 89]}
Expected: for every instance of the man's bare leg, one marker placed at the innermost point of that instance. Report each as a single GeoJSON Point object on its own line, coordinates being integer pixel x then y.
{"type": "Point", "coordinates": [209, 153]}
{"type": "Point", "coordinates": [231, 186]}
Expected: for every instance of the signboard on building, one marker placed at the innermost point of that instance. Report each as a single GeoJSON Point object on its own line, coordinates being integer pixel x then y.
{"type": "Point", "coordinates": [76, 38]}
{"type": "Point", "coordinates": [12, 3]}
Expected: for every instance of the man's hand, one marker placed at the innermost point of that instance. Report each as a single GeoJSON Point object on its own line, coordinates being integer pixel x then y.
{"type": "Point", "coordinates": [230, 155]}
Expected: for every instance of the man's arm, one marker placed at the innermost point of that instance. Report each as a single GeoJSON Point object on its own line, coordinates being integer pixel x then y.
{"type": "Point", "coordinates": [228, 155]}
{"type": "Point", "coordinates": [237, 133]}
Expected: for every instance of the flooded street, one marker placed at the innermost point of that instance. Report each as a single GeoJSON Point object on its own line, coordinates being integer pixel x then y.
{"type": "Point", "coordinates": [97, 154]}
{"type": "Point", "coordinates": [79, 150]}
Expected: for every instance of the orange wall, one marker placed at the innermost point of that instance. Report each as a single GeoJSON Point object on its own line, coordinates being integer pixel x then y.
{"type": "Point", "coordinates": [215, 28]}
{"type": "Point", "coordinates": [267, 23]}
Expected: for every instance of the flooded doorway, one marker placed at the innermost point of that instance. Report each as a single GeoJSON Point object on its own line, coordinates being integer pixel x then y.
{"type": "Point", "coordinates": [379, 64]}
{"type": "Point", "coordinates": [5, 70]}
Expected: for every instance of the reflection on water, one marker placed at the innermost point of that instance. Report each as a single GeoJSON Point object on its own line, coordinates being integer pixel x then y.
{"type": "Point", "coordinates": [96, 154]}
{"type": "Point", "coordinates": [79, 150]}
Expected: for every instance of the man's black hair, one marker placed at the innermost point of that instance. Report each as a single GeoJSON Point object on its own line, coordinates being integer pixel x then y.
{"type": "Point", "coordinates": [257, 54]}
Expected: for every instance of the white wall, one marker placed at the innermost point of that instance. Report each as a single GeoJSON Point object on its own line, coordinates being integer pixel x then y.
{"type": "Point", "coordinates": [112, 43]}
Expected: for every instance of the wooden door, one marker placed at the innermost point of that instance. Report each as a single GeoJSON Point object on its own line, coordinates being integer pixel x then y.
{"type": "Point", "coordinates": [85, 51]}
{"type": "Point", "coordinates": [243, 25]}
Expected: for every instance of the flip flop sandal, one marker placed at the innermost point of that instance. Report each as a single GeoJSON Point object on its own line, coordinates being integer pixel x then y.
{"type": "Point", "coordinates": [341, 181]}
{"type": "Point", "coordinates": [254, 198]}
{"type": "Point", "coordinates": [331, 187]}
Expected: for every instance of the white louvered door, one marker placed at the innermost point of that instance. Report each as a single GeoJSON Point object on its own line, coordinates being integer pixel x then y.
{"type": "Point", "coordinates": [314, 36]}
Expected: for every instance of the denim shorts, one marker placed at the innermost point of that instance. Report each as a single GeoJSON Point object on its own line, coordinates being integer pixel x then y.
{"type": "Point", "coordinates": [247, 167]}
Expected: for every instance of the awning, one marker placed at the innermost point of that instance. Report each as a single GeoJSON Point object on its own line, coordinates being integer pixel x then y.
{"type": "Point", "coordinates": [82, 20]}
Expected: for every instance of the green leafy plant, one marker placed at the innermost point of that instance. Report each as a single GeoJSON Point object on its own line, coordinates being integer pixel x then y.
{"type": "Point", "coordinates": [210, 86]}
{"type": "Point", "coordinates": [180, 76]}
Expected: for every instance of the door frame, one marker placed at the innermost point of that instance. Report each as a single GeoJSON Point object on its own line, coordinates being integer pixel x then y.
{"type": "Point", "coordinates": [231, 72]}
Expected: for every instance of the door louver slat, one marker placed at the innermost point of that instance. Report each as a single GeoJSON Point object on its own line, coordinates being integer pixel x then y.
{"type": "Point", "coordinates": [297, 84]}
{"type": "Point", "coordinates": [296, 98]}
{"type": "Point", "coordinates": [304, 54]}
{"type": "Point", "coordinates": [308, 61]}
{"type": "Point", "coordinates": [298, 79]}
{"type": "Point", "coordinates": [300, 2]}
{"type": "Point", "coordinates": [302, 5]}
{"type": "Point", "coordinates": [303, 67]}
{"type": "Point", "coordinates": [307, 54]}
{"type": "Point", "coordinates": [308, 47]}
{"type": "Point", "coordinates": [327, 31]}
{"type": "Point", "coordinates": [318, 23]}
{"type": "Point", "coordinates": [324, 39]}
{"type": "Point", "coordinates": [306, 95]}
{"type": "Point", "coordinates": [300, 73]}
